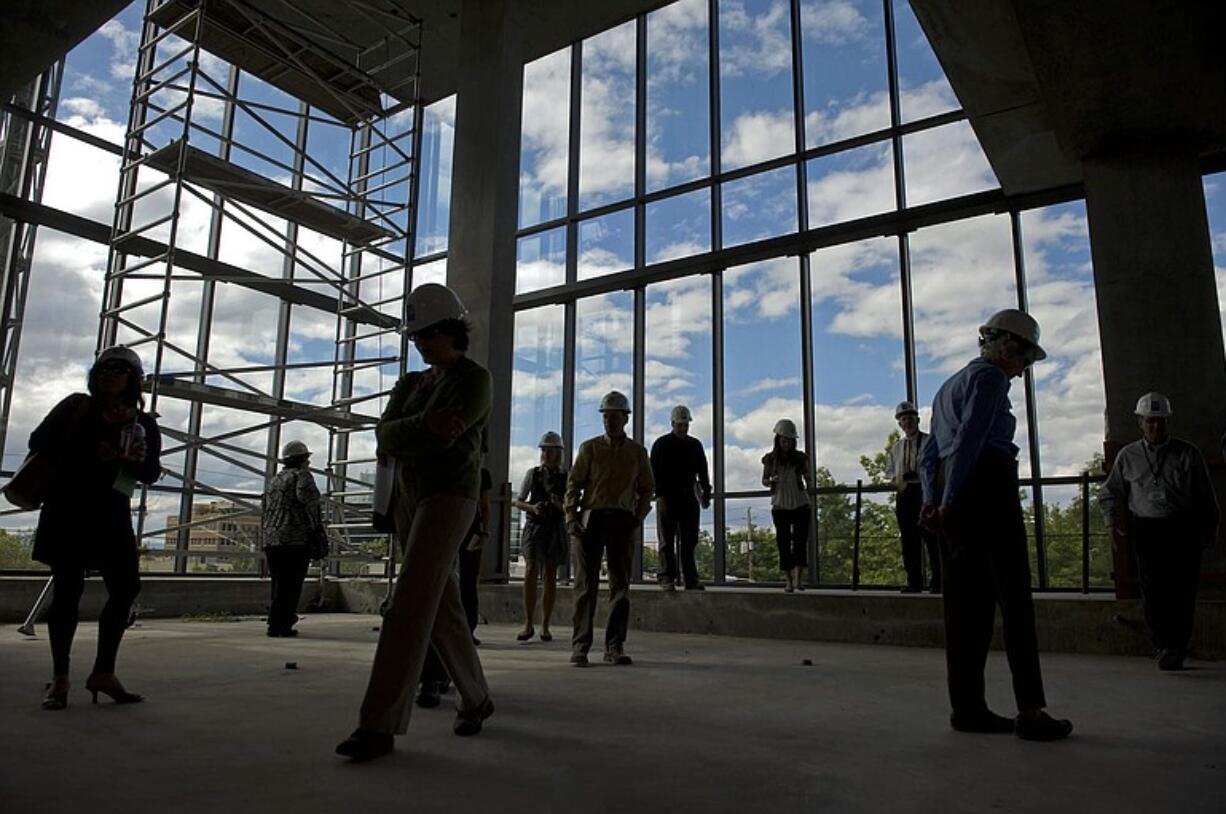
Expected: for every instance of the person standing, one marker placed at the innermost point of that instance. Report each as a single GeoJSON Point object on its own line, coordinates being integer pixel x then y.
{"type": "Point", "coordinates": [291, 523]}
{"type": "Point", "coordinates": [968, 472]}
{"type": "Point", "coordinates": [543, 536]}
{"type": "Point", "coordinates": [683, 489]}
{"type": "Point", "coordinates": [608, 494]}
{"type": "Point", "coordinates": [1159, 496]}
{"type": "Point", "coordinates": [432, 426]}
{"type": "Point", "coordinates": [785, 471]}
{"type": "Point", "coordinates": [903, 468]}
{"type": "Point", "coordinates": [102, 444]}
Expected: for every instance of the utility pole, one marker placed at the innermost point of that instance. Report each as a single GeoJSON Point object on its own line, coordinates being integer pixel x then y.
{"type": "Point", "coordinates": [749, 525]}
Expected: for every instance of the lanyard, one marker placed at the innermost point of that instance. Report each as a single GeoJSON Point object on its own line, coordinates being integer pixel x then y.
{"type": "Point", "coordinates": [1155, 467]}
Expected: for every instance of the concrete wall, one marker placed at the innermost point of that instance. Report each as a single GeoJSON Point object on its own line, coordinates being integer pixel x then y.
{"type": "Point", "coordinates": [1068, 623]}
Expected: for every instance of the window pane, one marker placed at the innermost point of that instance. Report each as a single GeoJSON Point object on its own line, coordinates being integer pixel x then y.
{"type": "Point", "coordinates": [945, 162]}
{"type": "Point", "coordinates": [858, 356]}
{"type": "Point", "coordinates": [678, 226]}
{"type": "Point", "coordinates": [761, 310]}
{"type": "Point", "coordinates": [678, 355]}
{"type": "Point", "coordinates": [1069, 383]}
{"type": "Point", "coordinates": [545, 135]}
{"type": "Point", "coordinates": [541, 261]}
{"type": "Point", "coordinates": [678, 94]}
{"type": "Point", "coordinates": [1062, 534]}
{"type": "Point", "coordinates": [752, 554]}
{"type": "Point", "coordinates": [606, 244]}
{"type": "Point", "coordinates": [1215, 202]}
{"type": "Point", "coordinates": [604, 357]}
{"type": "Point", "coordinates": [606, 121]}
{"type": "Point", "coordinates": [851, 184]}
{"type": "Point", "coordinates": [755, 70]}
{"type": "Point", "coordinates": [846, 85]}
{"type": "Point", "coordinates": [434, 192]}
{"type": "Point", "coordinates": [760, 206]}
{"type": "Point", "coordinates": [962, 273]}
{"type": "Point", "coordinates": [923, 89]}
{"type": "Point", "coordinates": [536, 390]}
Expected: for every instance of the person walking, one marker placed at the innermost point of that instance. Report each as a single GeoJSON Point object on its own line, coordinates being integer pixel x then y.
{"type": "Point", "coordinates": [102, 444]}
{"type": "Point", "coordinates": [1159, 496]}
{"type": "Point", "coordinates": [902, 467]}
{"type": "Point", "coordinates": [608, 494]}
{"type": "Point", "coordinates": [292, 531]}
{"type": "Point", "coordinates": [968, 473]}
{"type": "Point", "coordinates": [785, 471]}
{"type": "Point", "coordinates": [432, 426]}
{"type": "Point", "coordinates": [683, 489]}
{"type": "Point", "coordinates": [542, 538]}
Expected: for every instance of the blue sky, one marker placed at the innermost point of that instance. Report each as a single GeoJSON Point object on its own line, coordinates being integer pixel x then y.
{"type": "Point", "coordinates": [961, 272]}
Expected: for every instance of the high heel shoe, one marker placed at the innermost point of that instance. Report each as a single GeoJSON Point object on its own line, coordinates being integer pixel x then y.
{"type": "Point", "coordinates": [112, 689]}
{"type": "Point", "coordinates": [525, 635]}
{"type": "Point", "coordinates": [57, 695]}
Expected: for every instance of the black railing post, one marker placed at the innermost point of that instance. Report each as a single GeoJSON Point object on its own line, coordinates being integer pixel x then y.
{"type": "Point", "coordinates": [1085, 532]}
{"type": "Point", "coordinates": [855, 540]}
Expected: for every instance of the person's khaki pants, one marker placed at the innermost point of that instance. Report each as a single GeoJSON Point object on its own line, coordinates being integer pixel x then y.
{"type": "Point", "coordinates": [425, 609]}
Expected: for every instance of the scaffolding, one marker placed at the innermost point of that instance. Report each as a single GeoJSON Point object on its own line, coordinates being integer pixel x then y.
{"type": "Point", "coordinates": [347, 65]}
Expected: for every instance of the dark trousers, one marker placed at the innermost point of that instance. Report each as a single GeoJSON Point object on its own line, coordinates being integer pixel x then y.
{"type": "Point", "coordinates": [433, 672]}
{"type": "Point", "coordinates": [792, 536]}
{"type": "Point", "coordinates": [287, 567]}
{"type": "Point", "coordinates": [915, 539]}
{"type": "Point", "coordinates": [608, 531]}
{"type": "Point", "coordinates": [677, 522]}
{"type": "Point", "coordinates": [122, 579]}
{"type": "Point", "coordinates": [470, 569]}
{"type": "Point", "coordinates": [1168, 557]}
{"type": "Point", "coordinates": [986, 563]}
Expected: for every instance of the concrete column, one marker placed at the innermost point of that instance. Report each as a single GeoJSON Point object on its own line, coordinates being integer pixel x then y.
{"type": "Point", "coordinates": [1157, 303]}
{"type": "Point", "coordinates": [484, 209]}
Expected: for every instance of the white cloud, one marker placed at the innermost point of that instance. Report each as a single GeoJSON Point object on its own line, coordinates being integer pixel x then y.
{"type": "Point", "coordinates": [757, 135]}
{"type": "Point", "coordinates": [757, 45]}
{"type": "Point", "coordinates": [834, 22]}
{"type": "Point", "coordinates": [770, 383]}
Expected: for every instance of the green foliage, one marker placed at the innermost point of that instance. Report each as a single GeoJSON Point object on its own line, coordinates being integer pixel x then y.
{"type": "Point", "coordinates": [15, 548]}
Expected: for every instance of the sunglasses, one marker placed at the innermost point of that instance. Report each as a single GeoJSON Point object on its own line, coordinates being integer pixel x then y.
{"type": "Point", "coordinates": [115, 367]}
{"type": "Point", "coordinates": [427, 333]}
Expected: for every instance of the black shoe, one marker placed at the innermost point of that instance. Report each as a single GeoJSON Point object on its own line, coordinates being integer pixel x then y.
{"type": "Point", "coordinates": [617, 656]}
{"type": "Point", "coordinates": [579, 658]}
{"type": "Point", "coordinates": [1170, 659]}
{"type": "Point", "coordinates": [57, 695]}
{"type": "Point", "coordinates": [468, 723]}
{"type": "Point", "coordinates": [983, 721]}
{"type": "Point", "coordinates": [1043, 727]}
{"type": "Point", "coordinates": [277, 633]}
{"type": "Point", "coordinates": [476, 642]}
{"type": "Point", "coordinates": [364, 745]}
{"type": "Point", "coordinates": [428, 696]}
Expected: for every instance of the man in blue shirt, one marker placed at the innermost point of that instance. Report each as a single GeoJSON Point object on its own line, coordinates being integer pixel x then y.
{"type": "Point", "coordinates": [968, 472]}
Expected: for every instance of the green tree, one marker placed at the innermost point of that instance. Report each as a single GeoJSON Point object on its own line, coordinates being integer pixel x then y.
{"type": "Point", "coordinates": [15, 551]}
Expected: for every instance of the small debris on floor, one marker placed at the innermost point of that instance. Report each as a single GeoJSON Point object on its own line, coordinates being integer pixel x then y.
{"type": "Point", "coordinates": [291, 665]}
{"type": "Point", "coordinates": [807, 663]}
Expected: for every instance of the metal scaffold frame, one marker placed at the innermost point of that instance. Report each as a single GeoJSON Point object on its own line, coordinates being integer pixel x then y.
{"type": "Point", "coordinates": [362, 78]}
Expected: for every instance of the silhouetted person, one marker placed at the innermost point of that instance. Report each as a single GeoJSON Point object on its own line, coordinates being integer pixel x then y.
{"type": "Point", "coordinates": [683, 490]}
{"type": "Point", "coordinates": [969, 476]}
{"type": "Point", "coordinates": [103, 444]}
{"type": "Point", "coordinates": [785, 471]}
{"type": "Point", "coordinates": [903, 469]}
{"type": "Point", "coordinates": [1159, 496]}
{"type": "Point", "coordinates": [291, 524]}
{"type": "Point", "coordinates": [542, 537]}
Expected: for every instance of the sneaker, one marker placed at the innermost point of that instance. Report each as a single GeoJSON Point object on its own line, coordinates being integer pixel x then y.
{"type": "Point", "coordinates": [617, 657]}
{"type": "Point", "coordinates": [1042, 727]}
{"type": "Point", "coordinates": [983, 721]}
{"type": "Point", "coordinates": [579, 658]}
{"type": "Point", "coordinates": [468, 722]}
{"type": "Point", "coordinates": [364, 745]}
{"type": "Point", "coordinates": [1170, 659]}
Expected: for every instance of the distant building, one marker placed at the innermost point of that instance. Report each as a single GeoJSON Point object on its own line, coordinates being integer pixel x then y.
{"type": "Point", "coordinates": [221, 527]}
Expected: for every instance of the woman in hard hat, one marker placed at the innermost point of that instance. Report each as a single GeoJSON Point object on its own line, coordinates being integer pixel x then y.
{"type": "Point", "coordinates": [968, 473]}
{"type": "Point", "coordinates": [785, 471]}
{"type": "Point", "coordinates": [293, 535]}
{"type": "Point", "coordinates": [432, 426]}
{"type": "Point", "coordinates": [543, 534]}
{"type": "Point", "coordinates": [103, 444]}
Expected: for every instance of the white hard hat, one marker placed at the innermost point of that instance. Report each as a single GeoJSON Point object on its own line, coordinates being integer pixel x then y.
{"type": "Point", "coordinates": [123, 354]}
{"type": "Point", "coordinates": [787, 428]}
{"type": "Point", "coordinates": [614, 401]}
{"type": "Point", "coordinates": [1154, 405]}
{"type": "Point", "coordinates": [681, 413]}
{"type": "Point", "coordinates": [429, 304]}
{"type": "Point", "coordinates": [293, 449]}
{"type": "Point", "coordinates": [905, 408]}
{"type": "Point", "coordinates": [1018, 323]}
{"type": "Point", "coordinates": [550, 439]}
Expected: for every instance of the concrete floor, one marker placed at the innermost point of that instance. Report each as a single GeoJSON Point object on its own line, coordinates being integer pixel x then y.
{"type": "Point", "coordinates": [699, 723]}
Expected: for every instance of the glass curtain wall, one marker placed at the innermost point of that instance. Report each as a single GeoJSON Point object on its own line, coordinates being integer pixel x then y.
{"type": "Point", "coordinates": [714, 203]}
